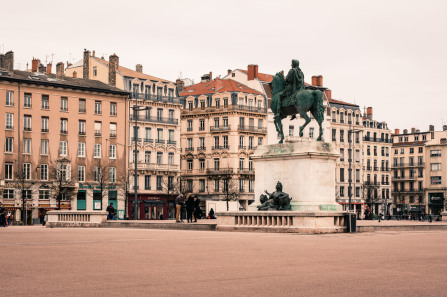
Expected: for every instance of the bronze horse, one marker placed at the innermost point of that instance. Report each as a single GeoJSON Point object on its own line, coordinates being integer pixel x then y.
{"type": "Point", "coordinates": [303, 101]}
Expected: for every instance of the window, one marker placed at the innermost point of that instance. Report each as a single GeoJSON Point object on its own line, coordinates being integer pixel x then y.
{"type": "Point", "coordinates": [216, 163]}
{"type": "Point", "coordinates": [189, 185]}
{"type": "Point", "coordinates": [98, 128]}
{"type": "Point", "coordinates": [171, 158]}
{"type": "Point", "coordinates": [202, 164]}
{"type": "Point", "coordinates": [98, 107]}
{"type": "Point", "coordinates": [159, 114]}
{"type": "Point", "coordinates": [171, 136]}
{"type": "Point", "coordinates": [189, 164]}
{"type": "Point", "coordinates": [44, 124]}
{"type": "Point", "coordinates": [216, 142]}
{"type": "Point", "coordinates": [159, 182]}
{"type": "Point", "coordinates": [420, 150]}
{"type": "Point", "coordinates": [201, 124]}
{"type": "Point", "coordinates": [81, 149]}
{"type": "Point", "coordinates": [242, 122]}
{"type": "Point", "coordinates": [241, 141]}
{"type": "Point", "coordinates": [62, 148]}
{"type": "Point", "coordinates": [216, 185]}
{"type": "Point", "coordinates": [357, 155]}
{"type": "Point", "coordinates": [420, 160]}
{"type": "Point", "coordinates": [9, 121]}
{"type": "Point", "coordinates": [82, 105]}
{"type": "Point", "coordinates": [81, 127]}
{"type": "Point", "coordinates": [189, 128]}
{"type": "Point", "coordinates": [9, 98]}
{"type": "Point", "coordinates": [202, 104]}
{"type": "Point", "coordinates": [147, 182]}
{"type": "Point", "coordinates": [435, 180]}
{"type": "Point", "coordinates": [435, 166]}
{"type": "Point", "coordinates": [64, 104]}
{"type": "Point", "coordinates": [159, 157]}
{"type": "Point", "coordinates": [216, 122]}
{"type": "Point", "coordinates": [112, 108]}
{"type": "Point", "coordinates": [241, 163]}
{"type": "Point", "coordinates": [435, 153]}
{"type": "Point", "coordinates": [26, 171]}
{"type": "Point", "coordinates": [411, 150]}
{"type": "Point", "coordinates": [342, 191]}
{"type": "Point", "coordinates": [217, 102]}
{"type": "Point", "coordinates": [112, 129]}
{"type": "Point", "coordinates": [250, 164]}
{"type": "Point", "coordinates": [190, 105]}
{"type": "Point", "coordinates": [81, 173]}
{"type": "Point", "coordinates": [27, 146]}
{"type": "Point", "coordinates": [291, 130]}
{"type": "Point", "coordinates": [45, 102]}
{"type": "Point", "coordinates": [112, 174]}
{"type": "Point", "coordinates": [148, 134]}
{"type": "Point", "coordinates": [112, 151]}
{"type": "Point", "coordinates": [260, 139]}
{"type": "Point", "coordinates": [225, 122]}
{"type": "Point", "coordinates": [9, 144]}
{"type": "Point", "coordinates": [311, 132]}
{"type": "Point", "coordinates": [342, 154]}
{"type": "Point", "coordinates": [27, 122]}
{"type": "Point", "coordinates": [97, 151]}
{"type": "Point", "coordinates": [64, 126]}
{"type": "Point", "coordinates": [8, 194]}
{"type": "Point", "coordinates": [44, 147]}
{"type": "Point", "coordinates": [171, 115]}
{"type": "Point", "coordinates": [357, 175]}
{"type": "Point", "coordinates": [160, 135]}
{"type": "Point", "coordinates": [95, 70]}
{"type": "Point", "coordinates": [96, 173]}
{"type": "Point", "coordinates": [43, 172]}
{"type": "Point", "coordinates": [170, 183]}
{"type": "Point", "coordinates": [202, 185]}
{"type": "Point", "coordinates": [225, 101]}
{"type": "Point", "coordinates": [44, 194]}
{"type": "Point", "coordinates": [342, 174]}
{"type": "Point", "coordinates": [241, 185]}
{"type": "Point", "coordinates": [250, 142]}
{"type": "Point", "coordinates": [147, 157]}
{"type": "Point", "coordinates": [8, 171]}
{"type": "Point", "coordinates": [342, 135]}
{"type": "Point", "coordinates": [251, 186]}
{"type": "Point", "coordinates": [225, 141]}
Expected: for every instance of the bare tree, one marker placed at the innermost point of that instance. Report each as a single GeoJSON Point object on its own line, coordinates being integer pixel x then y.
{"type": "Point", "coordinates": [232, 190]}
{"type": "Point", "coordinates": [174, 187]}
{"type": "Point", "coordinates": [23, 181]}
{"type": "Point", "coordinates": [123, 183]}
{"type": "Point", "coordinates": [62, 186]}
{"type": "Point", "coordinates": [102, 178]}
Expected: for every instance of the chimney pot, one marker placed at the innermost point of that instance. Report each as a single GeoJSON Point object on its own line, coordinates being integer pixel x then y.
{"type": "Point", "coordinates": [431, 128]}
{"type": "Point", "coordinates": [42, 69]}
{"type": "Point", "coordinates": [60, 69]}
{"type": "Point", "coordinates": [93, 53]}
{"type": "Point", "coordinates": [35, 64]}
{"type": "Point", "coordinates": [405, 131]}
{"type": "Point", "coordinates": [320, 80]}
{"type": "Point", "coordinates": [8, 60]}
{"type": "Point", "coordinates": [229, 71]}
{"type": "Point", "coordinates": [413, 130]}
{"type": "Point", "coordinates": [251, 72]}
{"type": "Point", "coordinates": [328, 93]}
{"type": "Point", "coordinates": [211, 76]}
{"type": "Point", "coordinates": [444, 128]}
{"type": "Point", "coordinates": [314, 80]}
{"type": "Point", "coordinates": [139, 68]}
{"type": "Point", "coordinates": [49, 66]}
{"type": "Point", "coordinates": [396, 131]}
{"type": "Point", "coordinates": [75, 74]}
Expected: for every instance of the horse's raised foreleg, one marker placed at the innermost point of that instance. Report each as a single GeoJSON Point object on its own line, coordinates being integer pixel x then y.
{"type": "Point", "coordinates": [307, 119]}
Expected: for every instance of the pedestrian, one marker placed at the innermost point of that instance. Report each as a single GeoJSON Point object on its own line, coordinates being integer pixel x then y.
{"type": "Point", "coordinates": [42, 218]}
{"type": "Point", "coordinates": [111, 210]}
{"type": "Point", "coordinates": [178, 207]}
{"type": "Point", "coordinates": [8, 218]}
{"type": "Point", "coordinates": [430, 218]}
{"type": "Point", "coordinates": [2, 217]}
{"type": "Point", "coordinates": [197, 209]}
{"type": "Point", "coordinates": [211, 214]}
{"type": "Point", "coordinates": [189, 207]}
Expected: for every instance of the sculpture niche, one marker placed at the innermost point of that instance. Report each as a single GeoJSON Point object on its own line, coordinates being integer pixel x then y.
{"type": "Point", "coordinates": [277, 200]}
{"type": "Point", "coordinates": [289, 97]}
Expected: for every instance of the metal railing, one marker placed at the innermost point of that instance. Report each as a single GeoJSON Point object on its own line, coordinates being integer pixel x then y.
{"type": "Point", "coordinates": [419, 164]}
{"type": "Point", "coordinates": [220, 147]}
{"type": "Point", "coordinates": [162, 120]}
{"type": "Point", "coordinates": [252, 129]}
{"type": "Point", "coordinates": [156, 98]}
{"type": "Point", "coordinates": [218, 129]}
{"type": "Point", "coordinates": [219, 171]}
{"type": "Point", "coordinates": [97, 132]}
{"type": "Point", "coordinates": [155, 166]}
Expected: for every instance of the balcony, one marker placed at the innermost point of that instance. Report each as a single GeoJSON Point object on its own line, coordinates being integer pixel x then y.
{"type": "Point", "coordinates": [404, 178]}
{"type": "Point", "coordinates": [384, 169]}
{"type": "Point", "coordinates": [246, 171]}
{"type": "Point", "coordinates": [64, 132]}
{"type": "Point", "coordinates": [201, 148]}
{"type": "Point", "coordinates": [113, 133]}
{"type": "Point", "coordinates": [161, 120]}
{"type": "Point", "coordinates": [160, 141]}
{"type": "Point", "coordinates": [27, 129]}
{"type": "Point", "coordinates": [138, 139]}
{"type": "Point", "coordinates": [252, 129]}
{"type": "Point", "coordinates": [372, 183]}
{"type": "Point", "coordinates": [249, 108]}
{"type": "Point", "coordinates": [219, 171]}
{"type": "Point", "coordinates": [156, 98]}
{"type": "Point", "coordinates": [97, 132]}
{"type": "Point", "coordinates": [403, 165]}
{"type": "Point", "coordinates": [409, 191]}
{"type": "Point", "coordinates": [148, 140]}
{"type": "Point", "coordinates": [376, 168]}
{"type": "Point", "coordinates": [81, 133]}
{"type": "Point", "coordinates": [172, 142]}
{"type": "Point", "coordinates": [242, 147]}
{"type": "Point", "coordinates": [220, 129]}
{"type": "Point", "coordinates": [44, 130]}
{"type": "Point", "coordinates": [189, 149]}
{"type": "Point", "coordinates": [155, 167]}
{"type": "Point", "coordinates": [372, 139]}
{"type": "Point", "coordinates": [250, 147]}
{"type": "Point", "coordinates": [220, 147]}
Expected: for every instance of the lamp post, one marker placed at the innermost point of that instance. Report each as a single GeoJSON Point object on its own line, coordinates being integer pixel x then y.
{"type": "Point", "coordinates": [351, 132]}
{"type": "Point", "coordinates": [136, 108]}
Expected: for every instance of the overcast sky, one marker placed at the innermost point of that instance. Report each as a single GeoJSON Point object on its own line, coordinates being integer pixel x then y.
{"type": "Point", "coordinates": [390, 55]}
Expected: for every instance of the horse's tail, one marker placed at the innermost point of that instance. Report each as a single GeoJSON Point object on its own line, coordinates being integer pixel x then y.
{"type": "Point", "coordinates": [319, 108]}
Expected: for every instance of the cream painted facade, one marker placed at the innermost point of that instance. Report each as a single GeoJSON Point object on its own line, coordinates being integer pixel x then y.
{"type": "Point", "coordinates": [49, 122]}
{"type": "Point", "coordinates": [158, 129]}
{"type": "Point", "coordinates": [217, 141]}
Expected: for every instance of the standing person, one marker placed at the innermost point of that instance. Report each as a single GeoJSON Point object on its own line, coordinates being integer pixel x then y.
{"type": "Point", "coordinates": [178, 207]}
{"type": "Point", "coordinates": [211, 214]}
{"type": "Point", "coordinates": [111, 210]}
{"type": "Point", "coordinates": [8, 218]}
{"type": "Point", "coordinates": [189, 207]}
{"type": "Point", "coordinates": [2, 216]}
{"type": "Point", "coordinates": [197, 209]}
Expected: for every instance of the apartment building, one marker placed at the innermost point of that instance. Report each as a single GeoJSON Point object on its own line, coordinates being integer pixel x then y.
{"type": "Point", "coordinates": [222, 123]}
{"type": "Point", "coordinates": [418, 172]}
{"type": "Point", "coordinates": [376, 164]}
{"type": "Point", "coordinates": [61, 142]}
{"type": "Point", "coordinates": [155, 128]}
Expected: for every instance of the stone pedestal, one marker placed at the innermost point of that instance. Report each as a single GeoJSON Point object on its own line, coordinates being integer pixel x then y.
{"type": "Point", "coordinates": [306, 170]}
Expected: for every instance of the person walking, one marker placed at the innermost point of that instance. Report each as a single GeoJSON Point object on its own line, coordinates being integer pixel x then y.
{"type": "Point", "coordinates": [189, 207]}
{"type": "Point", "coordinates": [178, 207]}
{"type": "Point", "coordinates": [197, 209]}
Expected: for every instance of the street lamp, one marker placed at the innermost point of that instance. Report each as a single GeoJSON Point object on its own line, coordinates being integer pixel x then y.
{"type": "Point", "coordinates": [136, 108]}
{"type": "Point", "coordinates": [351, 132]}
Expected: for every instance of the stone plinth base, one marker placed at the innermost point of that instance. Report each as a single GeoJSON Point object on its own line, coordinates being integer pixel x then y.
{"type": "Point", "coordinates": [67, 218]}
{"type": "Point", "coordinates": [444, 216]}
{"type": "Point", "coordinates": [306, 170]}
{"type": "Point", "coordinates": [282, 221]}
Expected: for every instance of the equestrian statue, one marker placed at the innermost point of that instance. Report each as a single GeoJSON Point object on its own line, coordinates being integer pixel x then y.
{"type": "Point", "coordinates": [289, 97]}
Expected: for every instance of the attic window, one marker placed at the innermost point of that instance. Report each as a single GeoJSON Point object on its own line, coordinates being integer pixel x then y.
{"type": "Point", "coordinates": [212, 89]}
{"type": "Point", "coordinates": [190, 91]}
{"type": "Point", "coordinates": [5, 73]}
{"type": "Point", "coordinates": [207, 85]}
{"type": "Point", "coordinates": [233, 74]}
{"type": "Point", "coordinates": [34, 77]}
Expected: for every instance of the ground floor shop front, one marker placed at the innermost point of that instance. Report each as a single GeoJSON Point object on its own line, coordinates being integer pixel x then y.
{"type": "Point", "coordinates": [152, 206]}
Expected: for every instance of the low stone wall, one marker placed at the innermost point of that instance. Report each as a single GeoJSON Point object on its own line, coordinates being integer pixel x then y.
{"type": "Point", "coordinates": [282, 221]}
{"type": "Point", "coordinates": [67, 218]}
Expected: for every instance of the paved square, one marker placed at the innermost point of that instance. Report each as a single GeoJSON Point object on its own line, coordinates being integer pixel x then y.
{"type": "Point", "coordinates": [139, 262]}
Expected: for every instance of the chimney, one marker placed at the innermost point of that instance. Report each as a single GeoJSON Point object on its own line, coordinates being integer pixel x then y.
{"type": "Point", "coordinates": [2, 59]}
{"type": "Point", "coordinates": [444, 128]}
{"type": "Point", "coordinates": [86, 64]}
{"type": "Point", "coordinates": [229, 71]}
{"type": "Point", "coordinates": [8, 61]}
{"type": "Point", "coordinates": [49, 65]}
{"type": "Point", "coordinates": [413, 130]}
{"type": "Point", "coordinates": [42, 69]}
{"type": "Point", "coordinates": [431, 128]}
{"type": "Point", "coordinates": [75, 74]}
{"type": "Point", "coordinates": [405, 131]}
{"type": "Point", "coordinates": [180, 84]}
{"type": "Point", "coordinates": [369, 113]}
{"type": "Point", "coordinates": [328, 93]}
{"type": "Point", "coordinates": [68, 64]}
{"type": "Point", "coordinates": [314, 80]}
{"type": "Point", "coordinates": [211, 76]}
{"type": "Point", "coordinates": [396, 131]}
{"type": "Point", "coordinates": [256, 71]}
{"type": "Point", "coordinates": [93, 53]}
{"type": "Point", "coordinates": [251, 72]}
{"type": "Point", "coordinates": [139, 68]}
{"type": "Point", "coordinates": [113, 66]}
{"type": "Point", "coordinates": [34, 64]}
{"type": "Point", "coordinates": [320, 80]}
{"type": "Point", "coordinates": [60, 69]}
